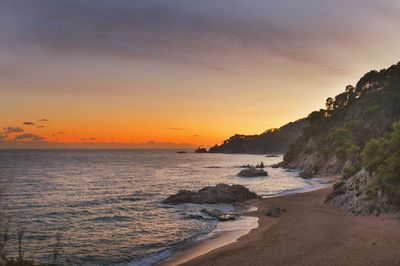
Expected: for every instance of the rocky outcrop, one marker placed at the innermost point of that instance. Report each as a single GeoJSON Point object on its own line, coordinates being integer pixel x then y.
{"type": "Point", "coordinates": [200, 150]}
{"type": "Point", "coordinates": [252, 172]}
{"type": "Point", "coordinates": [221, 193]}
{"type": "Point", "coordinates": [352, 196]}
{"type": "Point", "coordinates": [219, 215]}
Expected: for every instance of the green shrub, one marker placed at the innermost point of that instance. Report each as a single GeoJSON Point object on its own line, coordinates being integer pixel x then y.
{"type": "Point", "coordinates": [381, 157]}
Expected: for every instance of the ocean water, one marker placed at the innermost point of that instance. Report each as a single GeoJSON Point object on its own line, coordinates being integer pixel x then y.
{"type": "Point", "coordinates": [106, 204]}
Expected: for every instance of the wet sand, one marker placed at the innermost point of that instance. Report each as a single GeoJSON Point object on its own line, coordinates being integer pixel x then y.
{"type": "Point", "coordinates": [310, 233]}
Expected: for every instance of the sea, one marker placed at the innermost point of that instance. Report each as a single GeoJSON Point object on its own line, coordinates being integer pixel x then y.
{"type": "Point", "coordinates": [104, 207]}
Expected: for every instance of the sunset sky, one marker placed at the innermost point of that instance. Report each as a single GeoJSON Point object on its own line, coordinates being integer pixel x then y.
{"type": "Point", "coordinates": [167, 73]}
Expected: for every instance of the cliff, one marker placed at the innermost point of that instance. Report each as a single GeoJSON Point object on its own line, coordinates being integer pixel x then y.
{"type": "Point", "coordinates": [356, 136]}
{"type": "Point", "coordinates": [271, 141]}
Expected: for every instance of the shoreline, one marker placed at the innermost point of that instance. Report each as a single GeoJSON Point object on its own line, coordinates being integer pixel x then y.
{"type": "Point", "coordinates": [219, 237]}
{"type": "Point", "coordinates": [310, 233]}
{"type": "Point", "coordinates": [248, 222]}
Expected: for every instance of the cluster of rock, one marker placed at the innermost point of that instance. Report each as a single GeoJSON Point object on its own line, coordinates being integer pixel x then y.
{"type": "Point", "coordinates": [260, 165]}
{"type": "Point", "coordinates": [221, 193]}
{"type": "Point", "coordinates": [352, 196]}
{"type": "Point", "coordinates": [219, 215]}
{"type": "Point", "coordinates": [200, 150]}
{"type": "Point", "coordinates": [252, 172]}
{"type": "Point", "coordinates": [214, 214]}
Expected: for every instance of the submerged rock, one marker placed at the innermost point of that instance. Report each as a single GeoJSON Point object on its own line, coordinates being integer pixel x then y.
{"type": "Point", "coordinates": [220, 215]}
{"type": "Point", "coordinates": [252, 172]}
{"type": "Point", "coordinates": [275, 212]}
{"type": "Point", "coordinates": [221, 193]}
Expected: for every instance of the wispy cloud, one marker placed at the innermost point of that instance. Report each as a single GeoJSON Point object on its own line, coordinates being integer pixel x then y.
{"type": "Point", "coordinates": [29, 123]}
{"type": "Point", "coordinates": [43, 120]}
{"type": "Point", "coordinates": [8, 130]}
{"type": "Point", "coordinates": [29, 137]}
{"type": "Point", "coordinates": [175, 128]}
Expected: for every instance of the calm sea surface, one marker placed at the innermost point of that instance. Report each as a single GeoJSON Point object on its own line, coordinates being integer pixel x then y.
{"type": "Point", "coordinates": [107, 204]}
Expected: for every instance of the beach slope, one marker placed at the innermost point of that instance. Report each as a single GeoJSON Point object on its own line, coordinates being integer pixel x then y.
{"type": "Point", "coordinates": [311, 233]}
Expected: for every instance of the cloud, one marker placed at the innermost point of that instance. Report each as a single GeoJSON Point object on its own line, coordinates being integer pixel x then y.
{"type": "Point", "coordinates": [219, 34]}
{"type": "Point", "coordinates": [2, 137]}
{"type": "Point", "coordinates": [29, 137]}
{"type": "Point", "coordinates": [40, 126]}
{"type": "Point", "coordinates": [8, 130]}
{"type": "Point", "coordinates": [43, 120]}
{"type": "Point", "coordinates": [28, 123]}
{"type": "Point", "coordinates": [195, 136]}
{"type": "Point", "coordinates": [88, 139]}
{"type": "Point", "coordinates": [176, 128]}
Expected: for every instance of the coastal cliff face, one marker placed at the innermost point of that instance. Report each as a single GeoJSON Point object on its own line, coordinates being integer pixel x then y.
{"type": "Point", "coordinates": [356, 136]}
{"type": "Point", "coordinates": [353, 195]}
{"type": "Point", "coordinates": [271, 141]}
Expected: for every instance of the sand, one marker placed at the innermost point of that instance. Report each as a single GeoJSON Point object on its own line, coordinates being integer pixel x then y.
{"type": "Point", "coordinates": [310, 233]}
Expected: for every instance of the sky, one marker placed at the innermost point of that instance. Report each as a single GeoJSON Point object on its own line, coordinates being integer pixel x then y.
{"type": "Point", "coordinates": [179, 73]}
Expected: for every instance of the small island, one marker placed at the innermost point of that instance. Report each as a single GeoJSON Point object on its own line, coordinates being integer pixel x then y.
{"type": "Point", "coordinates": [200, 150]}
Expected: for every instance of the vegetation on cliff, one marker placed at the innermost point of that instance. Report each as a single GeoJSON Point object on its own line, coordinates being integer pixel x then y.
{"type": "Point", "coordinates": [275, 140]}
{"type": "Point", "coordinates": [358, 136]}
{"type": "Point", "coordinates": [337, 135]}
{"type": "Point", "coordinates": [381, 158]}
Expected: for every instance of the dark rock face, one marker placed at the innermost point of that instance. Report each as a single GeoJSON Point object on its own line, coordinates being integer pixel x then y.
{"type": "Point", "coordinates": [252, 172]}
{"type": "Point", "coordinates": [221, 193]}
{"type": "Point", "coordinates": [275, 212]}
{"type": "Point", "coordinates": [306, 174]}
{"type": "Point", "coordinates": [352, 196]}
{"type": "Point", "coordinates": [200, 150]}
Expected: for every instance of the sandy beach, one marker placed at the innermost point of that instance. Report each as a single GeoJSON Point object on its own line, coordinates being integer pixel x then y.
{"type": "Point", "coordinates": [310, 233]}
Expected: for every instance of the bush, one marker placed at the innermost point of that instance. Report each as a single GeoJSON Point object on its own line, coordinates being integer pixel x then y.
{"type": "Point", "coordinates": [381, 157]}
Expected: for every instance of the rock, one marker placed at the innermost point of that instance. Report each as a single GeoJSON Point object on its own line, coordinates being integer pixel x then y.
{"type": "Point", "coordinates": [252, 172]}
{"type": "Point", "coordinates": [221, 216]}
{"type": "Point", "coordinates": [397, 215]}
{"type": "Point", "coordinates": [221, 193]}
{"type": "Point", "coordinates": [181, 152]}
{"type": "Point", "coordinates": [197, 217]}
{"type": "Point", "coordinates": [278, 165]}
{"type": "Point", "coordinates": [306, 174]}
{"type": "Point", "coordinates": [200, 150]}
{"type": "Point", "coordinates": [352, 195]}
{"type": "Point", "coordinates": [245, 166]}
{"type": "Point", "coordinates": [272, 155]}
{"type": "Point", "coordinates": [260, 165]}
{"type": "Point", "coordinates": [183, 196]}
{"type": "Point", "coordinates": [275, 212]}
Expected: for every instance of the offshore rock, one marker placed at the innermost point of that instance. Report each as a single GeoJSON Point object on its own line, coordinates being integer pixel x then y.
{"type": "Point", "coordinates": [252, 172]}
{"type": "Point", "coordinates": [221, 193]}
